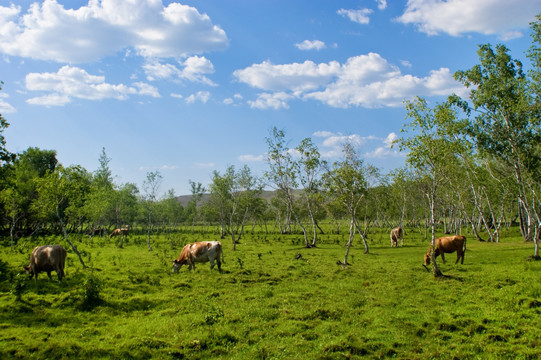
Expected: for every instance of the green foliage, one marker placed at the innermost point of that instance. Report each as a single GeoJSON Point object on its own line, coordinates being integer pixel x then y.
{"type": "Point", "coordinates": [18, 286]}
{"type": "Point", "coordinates": [90, 293]}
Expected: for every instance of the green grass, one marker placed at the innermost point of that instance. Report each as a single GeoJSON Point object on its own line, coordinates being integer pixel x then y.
{"type": "Point", "coordinates": [268, 305]}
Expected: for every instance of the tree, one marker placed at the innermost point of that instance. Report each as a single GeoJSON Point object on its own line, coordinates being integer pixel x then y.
{"type": "Point", "coordinates": [99, 207]}
{"type": "Point", "coordinates": [151, 187]}
{"type": "Point", "coordinates": [233, 195]}
{"type": "Point", "coordinates": [347, 182]}
{"type": "Point", "coordinates": [308, 169]}
{"type": "Point", "coordinates": [60, 194]}
{"type": "Point", "coordinates": [506, 124]}
{"type": "Point", "coordinates": [282, 174]}
{"type": "Point", "coordinates": [197, 191]}
{"type": "Point", "coordinates": [431, 153]}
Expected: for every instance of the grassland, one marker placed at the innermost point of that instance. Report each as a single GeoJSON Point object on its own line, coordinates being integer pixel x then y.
{"type": "Point", "coordinates": [267, 304]}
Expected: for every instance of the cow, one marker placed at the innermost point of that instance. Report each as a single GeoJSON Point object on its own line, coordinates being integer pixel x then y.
{"type": "Point", "coordinates": [202, 252]}
{"type": "Point", "coordinates": [47, 258]}
{"type": "Point", "coordinates": [448, 244]}
{"type": "Point", "coordinates": [396, 235]}
{"type": "Point", "coordinates": [125, 230]}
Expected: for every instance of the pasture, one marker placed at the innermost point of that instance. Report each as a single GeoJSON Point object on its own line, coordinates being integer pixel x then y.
{"type": "Point", "coordinates": [267, 304]}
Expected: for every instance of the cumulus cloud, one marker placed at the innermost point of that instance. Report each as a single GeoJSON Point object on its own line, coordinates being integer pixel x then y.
{"type": "Point", "coordinates": [104, 28]}
{"type": "Point", "coordinates": [368, 81]}
{"type": "Point", "coordinates": [457, 17]}
{"type": "Point", "coordinates": [202, 96]}
{"type": "Point", "coordinates": [5, 107]}
{"type": "Point", "coordinates": [385, 150]}
{"type": "Point", "coordinates": [332, 144]}
{"type": "Point", "coordinates": [274, 101]}
{"type": "Point", "coordinates": [358, 16]}
{"type": "Point", "coordinates": [295, 77]}
{"type": "Point", "coordinates": [382, 4]}
{"type": "Point", "coordinates": [71, 82]}
{"type": "Point", "coordinates": [311, 45]}
{"type": "Point", "coordinates": [193, 69]}
{"type": "Point", "coordinates": [251, 158]}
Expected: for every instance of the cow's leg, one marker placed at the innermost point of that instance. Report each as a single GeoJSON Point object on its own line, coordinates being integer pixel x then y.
{"type": "Point", "coordinates": [211, 264]}
{"type": "Point", "coordinates": [459, 256]}
{"type": "Point", "coordinates": [60, 273]}
{"type": "Point", "coordinates": [49, 275]}
{"type": "Point", "coordinates": [219, 264]}
{"type": "Point", "coordinates": [443, 257]}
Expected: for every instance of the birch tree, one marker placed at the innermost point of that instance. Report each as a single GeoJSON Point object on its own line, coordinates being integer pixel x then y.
{"type": "Point", "coordinates": [430, 152]}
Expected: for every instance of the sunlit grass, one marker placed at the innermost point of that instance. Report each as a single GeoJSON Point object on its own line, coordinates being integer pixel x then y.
{"type": "Point", "coordinates": [269, 304]}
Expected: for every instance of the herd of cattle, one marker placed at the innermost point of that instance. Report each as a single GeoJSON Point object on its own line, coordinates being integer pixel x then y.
{"type": "Point", "coordinates": [48, 258]}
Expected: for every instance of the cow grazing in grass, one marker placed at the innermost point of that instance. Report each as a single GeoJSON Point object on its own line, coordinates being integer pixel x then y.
{"type": "Point", "coordinates": [202, 252]}
{"type": "Point", "coordinates": [448, 244]}
{"type": "Point", "coordinates": [397, 235]}
{"type": "Point", "coordinates": [47, 258]}
{"type": "Point", "coordinates": [125, 230]}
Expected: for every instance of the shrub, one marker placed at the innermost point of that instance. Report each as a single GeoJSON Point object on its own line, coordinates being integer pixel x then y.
{"type": "Point", "coordinates": [91, 293]}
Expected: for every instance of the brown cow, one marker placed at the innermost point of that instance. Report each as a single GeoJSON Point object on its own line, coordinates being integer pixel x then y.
{"type": "Point", "coordinates": [448, 244]}
{"type": "Point", "coordinates": [125, 230]}
{"type": "Point", "coordinates": [202, 252]}
{"type": "Point", "coordinates": [47, 258]}
{"type": "Point", "coordinates": [397, 234]}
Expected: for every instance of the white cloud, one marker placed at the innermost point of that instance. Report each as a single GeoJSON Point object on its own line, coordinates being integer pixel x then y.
{"type": "Point", "coordinates": [358, 16]}
{"type": "Point", "coordinates": [176, 96]}
{"type": "Point", "coordinates": [234, 100]}
{"type": "Point", "coordinates": [5, 107]}
{"type": "Point", "coordinates": [311, 45]}
{"type": "Point", "coordinates": [106, 27]}
{"type": "Point", "coordinates": [195, 67]}
{"type": "Point", "coordinates": [251, 158]}
{"type": "Point", "coordinates": [295, 77]}
{"type": "Point", "coordinates": [382, 4]}
{"type": "Point", "coordinates": [274, 101]}
{"type": "Point", "coordinates": [385, 151]}
{"type": "Point", "coordinates": [363, 81]}
{"type": "Point", "coordinates": [457, 17]}
{"type": "Point", "coordinates": [73, 82]}
{"type": "Point", "coordinates": [202, 96]}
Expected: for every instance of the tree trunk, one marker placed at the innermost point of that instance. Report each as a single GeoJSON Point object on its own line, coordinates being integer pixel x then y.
{"type": "Point", "coordinates": [350, 241]}
{"type": "Point", "coordinates": [73, 247]}
{"type": "Point", "coordinates": [432, 201]}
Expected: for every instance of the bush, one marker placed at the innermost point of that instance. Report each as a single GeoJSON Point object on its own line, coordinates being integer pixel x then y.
{"type": "Point", "coordinates": [91, 293]}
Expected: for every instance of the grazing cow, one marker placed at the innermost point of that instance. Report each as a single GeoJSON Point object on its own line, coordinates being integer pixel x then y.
{"type": "Point", "coordinates": [448, 244]}
{"type": "Point", "coordinates": [125, 230]}
{"type": "Point", "coordinates": [200, 252]}
{"type": "Point", "coordinates": [47, 258]}
{"type": "Point", "coordinates": [397, 234]}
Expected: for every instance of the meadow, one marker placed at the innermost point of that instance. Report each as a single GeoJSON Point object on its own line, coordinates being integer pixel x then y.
{"type": "Point", "coordinates": [269, 303]}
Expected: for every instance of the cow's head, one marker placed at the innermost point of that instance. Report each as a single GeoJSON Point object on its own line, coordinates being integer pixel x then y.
{"type": "Point", "coordinates": [427, 259]}
{"type": "Point", "coordinates": [177, 265]}
{"type": "Point", "coordinates": [28, 269]}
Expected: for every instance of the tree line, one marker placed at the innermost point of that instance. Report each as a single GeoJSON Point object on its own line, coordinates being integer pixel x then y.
{"type": "Point", "coordinates": [471, 162]}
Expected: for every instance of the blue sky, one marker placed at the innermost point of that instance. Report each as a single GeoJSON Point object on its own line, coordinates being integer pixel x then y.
{"type": "Point", "coordinates": [189, 87]}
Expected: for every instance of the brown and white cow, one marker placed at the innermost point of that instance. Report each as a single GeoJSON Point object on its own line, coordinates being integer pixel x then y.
{"type": "Point", "coordinates": [47, 258]}
{"type": "Point", "coordinates": [125, 230]}
{"type": "Point", "coordinates": [448, 244]}
{"type": "Point", "coordinates": [396, 235]}
{"type": "Point", "coordinates": [201, 252]}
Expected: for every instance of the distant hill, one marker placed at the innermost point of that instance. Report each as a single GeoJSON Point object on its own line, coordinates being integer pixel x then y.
{"type": "Point", "coordinates": [185, 199]}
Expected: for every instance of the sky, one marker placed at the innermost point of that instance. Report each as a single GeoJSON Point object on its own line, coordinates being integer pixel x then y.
{"type": "Point", "coordinates": [189, 87]}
